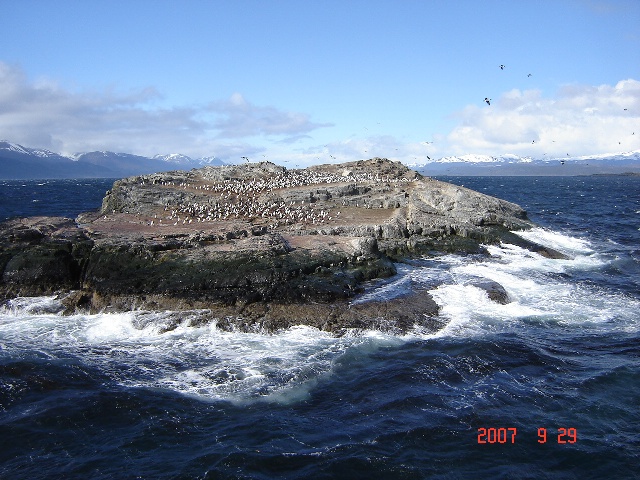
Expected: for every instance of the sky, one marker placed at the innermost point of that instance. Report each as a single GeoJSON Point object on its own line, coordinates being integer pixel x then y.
{"type": "Point", "coordinates": [300, 82]}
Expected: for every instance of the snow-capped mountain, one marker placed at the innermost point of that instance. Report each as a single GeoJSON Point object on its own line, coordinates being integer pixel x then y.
{"type": "Point", "coordinates": [210, 161]}
{"type": "Point", "coordinates": [185, 161]}
{"type": "Point", "coordinates": [174, 158]}
{"type": "Point", "coordinates": [20, 162]}
{"type": "Point", "coordinates": [506, 158]}
{"type": "Point", "coordinates": [473, 159]}
{"type": "Point", "coordinates": [624, 156]}
{"type": "Point", "coordinates": [13, 150]}
{"type": "Point", "coordinates": [510, 164]}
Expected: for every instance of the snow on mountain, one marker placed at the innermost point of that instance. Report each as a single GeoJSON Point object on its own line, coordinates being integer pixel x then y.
{"type": "Point", "coordinates": [18, 161]}
{"type": "Point", "coordinates": [12, 147]}
{"type": "Point", "coordinates": [475, 159]}
{"type": "Point", "coordinates": [185, 161]}
{"type": "Point", "coordinates": [506, 158]}
{"type": "Point", "coordinates": [516, 159]}
{"type": "Point", "coordinates": [19, 149]}
{"type": "Point", "coordinates": [506, 165]}
{"type": "Point", "coordinates": [210, 161]}
{"type": "Point", "coordinates": [624, 156]}
{"type": "Point", "coordinates": [175, 158]}
{"type": "Point", "coordinates": [45, 153]}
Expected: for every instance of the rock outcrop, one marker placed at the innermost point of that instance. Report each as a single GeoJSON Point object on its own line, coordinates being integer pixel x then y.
{"type": "Point", "coordinates": [257, 244]}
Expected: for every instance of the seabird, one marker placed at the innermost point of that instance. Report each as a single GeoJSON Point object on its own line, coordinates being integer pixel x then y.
{"type": "Point", "coordinates": [488, 100]}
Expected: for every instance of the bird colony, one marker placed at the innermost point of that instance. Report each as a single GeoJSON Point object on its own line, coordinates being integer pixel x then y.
{"type": "Point", "coordinates": [258, 199]}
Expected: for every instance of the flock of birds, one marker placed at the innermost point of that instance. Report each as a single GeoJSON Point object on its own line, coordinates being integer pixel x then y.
{"type": "Point", "coordinates": [250, 199]}
{"type": "Point", "coordinates": [276, 181]}
{"type": "Point", "coordinates": [275, 213]}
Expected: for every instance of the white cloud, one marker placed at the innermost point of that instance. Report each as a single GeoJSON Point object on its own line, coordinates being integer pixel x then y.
{"type": "Point", "coordinates": [239, 118]}
{"type": "Point", "coordinates": [43, 114]}
{"type": "Point", "coordinates": [580, 120]}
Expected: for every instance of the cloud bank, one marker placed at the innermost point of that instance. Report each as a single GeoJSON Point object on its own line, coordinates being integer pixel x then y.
{"type": "Point", "coordinates": [576, 120]}
{"type": "Point", "coordinates": [42, 114]}
{"type": "Point", "coordinates": [579, 120]}
{"type": "Point", "coordinates": [239, 118]}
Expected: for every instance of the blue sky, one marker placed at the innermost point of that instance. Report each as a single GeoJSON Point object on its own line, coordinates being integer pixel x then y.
{"type": "Point", "coordinates": [304, 82]}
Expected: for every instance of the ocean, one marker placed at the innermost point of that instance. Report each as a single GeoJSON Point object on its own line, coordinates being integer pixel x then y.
{"type": "Point", "coordinates": [544, 387]}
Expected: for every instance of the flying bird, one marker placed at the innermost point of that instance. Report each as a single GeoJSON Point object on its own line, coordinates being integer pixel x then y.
{"type": "Point", "coordinates": [501, 67]}
{"type": "Point", "coordinates": [528, 75]}
{"type": "Point", "coordinates": [488, 100]}
{"type": "Point", "coordinates": [245, 158]}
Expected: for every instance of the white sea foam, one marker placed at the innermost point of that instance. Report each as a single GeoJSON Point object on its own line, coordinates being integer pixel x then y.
{"type": "Point", "coordinates": [134, 350]}
{"type": "Point", "coordinates": [202, 362]}
{"type": "Point", "coordinates": [540, 290]}
{"type": "Point", "coordinates": [564, 243]}
{"type": "Point", "coordinates": [33, 305]}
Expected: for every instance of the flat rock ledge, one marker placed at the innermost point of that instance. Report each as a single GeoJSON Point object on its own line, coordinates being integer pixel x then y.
{"type": "Point", "coordinates": [258, 246]}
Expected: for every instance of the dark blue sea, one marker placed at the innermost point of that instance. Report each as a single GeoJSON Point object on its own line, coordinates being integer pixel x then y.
{"type": "Point", "coordinates": [544, 387]}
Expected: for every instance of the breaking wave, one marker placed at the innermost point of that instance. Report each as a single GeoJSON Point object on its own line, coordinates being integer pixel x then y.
{"type": "Point", "coordinates": [134, 349]}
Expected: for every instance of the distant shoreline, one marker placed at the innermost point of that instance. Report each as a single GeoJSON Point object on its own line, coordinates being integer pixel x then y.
{"type": "Point", "coordinates": [423, 172]}
{"type": "Point", "coordinates": [625, 174]}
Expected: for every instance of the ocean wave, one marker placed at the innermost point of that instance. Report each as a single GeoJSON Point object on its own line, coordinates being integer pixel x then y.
{"type": "Point", "coordinates": [136, 350]}
{"type": "Point", "coordinates": [201, 362]}
{"type": "Point", "coordinates": [541, 290]}
{"type": "Point", "coordinates": [564, 243]}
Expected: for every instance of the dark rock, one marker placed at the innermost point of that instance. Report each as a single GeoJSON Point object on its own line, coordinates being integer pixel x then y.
{"type": "Point", "coordinates": [496, 292]}
{"type": "Point", "coordinates": [40, 256]}
{"type": "Point", "coordinates": [257, 245]}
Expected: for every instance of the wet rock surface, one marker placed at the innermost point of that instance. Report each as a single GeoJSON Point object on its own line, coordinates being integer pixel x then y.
{"type": "Point", "coordinates": [257, 245]}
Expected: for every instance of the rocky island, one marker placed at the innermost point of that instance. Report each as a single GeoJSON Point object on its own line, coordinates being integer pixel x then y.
{"type": "Point", "coordinates": [258, 245]}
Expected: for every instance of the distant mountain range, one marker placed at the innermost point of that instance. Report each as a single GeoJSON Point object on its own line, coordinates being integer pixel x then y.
{"type": "Point", "coordinates": [510, 165]}
{"type": "Point", "coordinates": [19, 162]}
